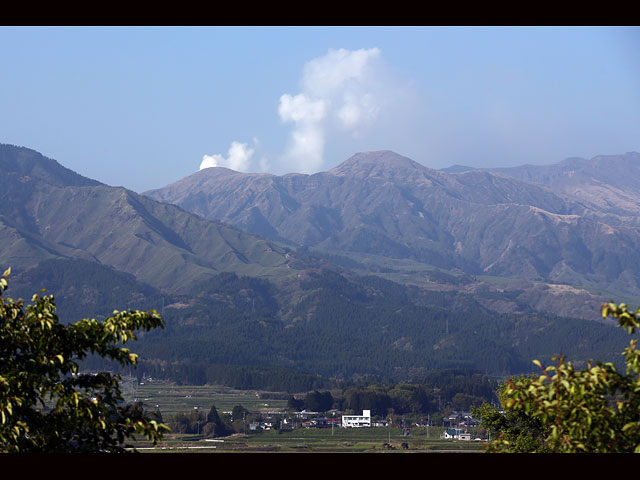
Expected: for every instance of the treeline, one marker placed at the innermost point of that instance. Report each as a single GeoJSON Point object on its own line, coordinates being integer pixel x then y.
{"type": "Point", "coordinates": [448, 389]}
{"type": "Point", "coordinates": [241, 377]}
{"type": "Point", "coordinates": [455, 389]}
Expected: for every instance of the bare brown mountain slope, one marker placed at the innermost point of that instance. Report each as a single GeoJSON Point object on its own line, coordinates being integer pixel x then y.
{"type": "Point", "coordinates": [607, 183]}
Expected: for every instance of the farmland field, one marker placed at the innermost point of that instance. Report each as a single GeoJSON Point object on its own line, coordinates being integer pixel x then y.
{"type": "Point", "coordinates": [170, 399]}
{"type": "Point", "coordinates": [302, 440]}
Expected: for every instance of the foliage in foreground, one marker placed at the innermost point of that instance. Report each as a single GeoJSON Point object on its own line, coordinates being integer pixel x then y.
{"type": "Point", "coordinates": [562, 409]}
{"type": "Point", "coordinates": [45, 404]}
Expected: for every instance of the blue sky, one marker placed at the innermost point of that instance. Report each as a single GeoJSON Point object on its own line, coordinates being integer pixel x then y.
{"type": "Point", "coordinates": [143, 107]}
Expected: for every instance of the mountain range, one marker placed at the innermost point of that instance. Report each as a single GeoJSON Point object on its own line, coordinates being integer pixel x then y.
{"type": "Point", "coordinates": [566, 226]}
{"type": "Point", "coordinates": [379, 265]}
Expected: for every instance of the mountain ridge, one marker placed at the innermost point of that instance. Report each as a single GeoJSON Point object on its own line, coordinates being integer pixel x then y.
{"type": "Point", "coordinates": [164, 245]}
{"type": "Point", "coordinates": [608, 183]}
{"type": "Point", "coordinates": [22, 163]}
{"type": "Point", "coordinates": [476, 221]}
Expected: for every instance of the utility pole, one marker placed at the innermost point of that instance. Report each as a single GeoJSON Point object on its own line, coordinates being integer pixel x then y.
{"type": "Point", "coordinates": [333, 416]}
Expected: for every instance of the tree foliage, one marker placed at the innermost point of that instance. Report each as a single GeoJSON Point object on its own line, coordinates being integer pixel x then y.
{"type": "Point", "coordinates": [596, 409]}
{"type": "Point", "coordinates": [196, 422]}
{"type": "Point", "coordinates": [46, 404]}
{"type": "Point", "coordinates": [522, 432]}
{"type": "Point", "coordinates": [318, 401]}
{"type": "Point", "coordinates": [216, 426]}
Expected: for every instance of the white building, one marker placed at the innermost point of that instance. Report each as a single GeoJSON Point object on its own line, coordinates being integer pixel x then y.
{"type": "Point", "coordinates": [457, 434]}
{"type": "Point", "coordinates": [357, 421]}
{"type": "Point", "coordinates": [452, 433]}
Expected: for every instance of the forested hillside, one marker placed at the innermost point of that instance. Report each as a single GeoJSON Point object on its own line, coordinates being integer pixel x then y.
{"type": "Point", "coordinates": [246, 332]}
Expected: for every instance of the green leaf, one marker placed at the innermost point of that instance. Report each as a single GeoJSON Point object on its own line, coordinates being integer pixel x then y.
{"type": "Point", "coordinates": [37, 335]}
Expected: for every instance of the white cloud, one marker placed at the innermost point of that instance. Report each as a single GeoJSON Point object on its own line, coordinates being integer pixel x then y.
{"type": "Point", "coordinates": [339, 69]}
{"type": "Point", "coordinates": [238, 159]}
{"type": "Point", "coordinates": [211, 161]}
{"type": "Point", "coordinates": [343, 93]}
{"type": "Point", "coordinates": [306, 148]}
{"type": "Point", "coordinates": [301, 109]}
{"type": "Point", "coordinates": [264, 164]}
{"type": "Point", "coordinates": [346, 97]}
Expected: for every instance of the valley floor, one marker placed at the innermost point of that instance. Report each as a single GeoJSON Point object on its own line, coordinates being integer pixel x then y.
{"type": "Point", "coordinates": [170, 399]}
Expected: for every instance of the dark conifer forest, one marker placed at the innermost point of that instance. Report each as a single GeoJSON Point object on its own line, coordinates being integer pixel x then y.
{"type": "Point", "coordinates": [249, 333]}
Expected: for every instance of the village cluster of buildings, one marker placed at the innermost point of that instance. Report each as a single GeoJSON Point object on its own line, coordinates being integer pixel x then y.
{"type": "Point", "coordinates": [459, 422]}
{"type": "Point", "coordinates": [306, 419]}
